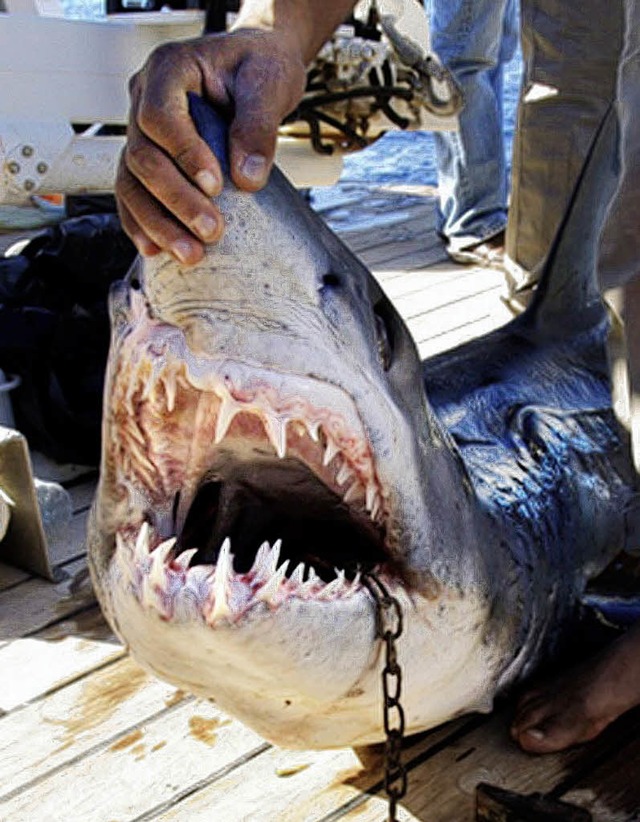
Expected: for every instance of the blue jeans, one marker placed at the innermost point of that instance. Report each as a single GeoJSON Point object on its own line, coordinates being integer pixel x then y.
{"type": "Point", "coordinates": [474, 39]}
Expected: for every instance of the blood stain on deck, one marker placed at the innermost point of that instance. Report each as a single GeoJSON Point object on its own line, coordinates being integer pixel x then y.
{"type": "Point", "coordinates": [128, 741]}
{"type": "Point", "coordinates": [203, 729]}
{"type": "Point", "coordinates": [99, 700]}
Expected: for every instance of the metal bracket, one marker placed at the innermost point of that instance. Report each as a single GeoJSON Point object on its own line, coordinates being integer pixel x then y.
{"type": "Point", "coordinates": [495, 804]}
{"type": "Point", "coordinates": [24, 543]}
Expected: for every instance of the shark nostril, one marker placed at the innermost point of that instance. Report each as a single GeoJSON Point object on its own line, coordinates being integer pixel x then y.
{"type": "Point", "coordinates": [331, 280]}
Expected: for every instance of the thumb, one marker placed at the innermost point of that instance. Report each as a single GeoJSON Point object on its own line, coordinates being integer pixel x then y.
{"type": "Point", "coordinates": [265, 92]}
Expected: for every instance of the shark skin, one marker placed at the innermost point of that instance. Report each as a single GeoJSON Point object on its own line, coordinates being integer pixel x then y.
{"type": "Point", "coordinates": [270, 434]}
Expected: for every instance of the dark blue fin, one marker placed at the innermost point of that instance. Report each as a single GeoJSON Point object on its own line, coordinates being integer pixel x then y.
{"type": "Point", "coordinates": [568, 298]}
{"type": "Point", "coordinates": [213, 129]}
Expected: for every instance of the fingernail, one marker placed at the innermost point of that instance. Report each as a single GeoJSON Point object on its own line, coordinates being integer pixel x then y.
{"type": "Point", "coordinates": [206, 226]}
{"type": "Point", "coordinates": [254, 168]}
{"type": "Point", "coordinates": [144, 246]}
{"type": "Point", "coordinates": [536, 733]}
{"type": "Point", "coordinates": [182, 249]}
{"type": "Point", "coordinates": [208, 182]}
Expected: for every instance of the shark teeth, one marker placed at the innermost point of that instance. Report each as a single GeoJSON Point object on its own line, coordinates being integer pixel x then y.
{"type": "Point", "coordinates": [226, 414]}
{"type": "Point", "coordinates": [268, 592]}
{"type": "Point", "coordinates": [276, 428]}
{"type": "Point", "coordinates": [297, 577]}
{"type": "Point", "coordinates": [221, 578]}
{"type": "Point", "coordinates": [159, 561]}
{"type": "Point", "coordinates": [314, 430]}
{"type": "Point", "coordinates": [169, 382]}
{"type": "Point", "coordinates": [345, 473]}
{"type": "Point", "coordinates": [168, 584]}
{"type": "Point", "coordinates": [183, 560]}
{"type": "Point", "coordinates": [330, 452]}
{"type": "Point", "coordinates": [141, 551]}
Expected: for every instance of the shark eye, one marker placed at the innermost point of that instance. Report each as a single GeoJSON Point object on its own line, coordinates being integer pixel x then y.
{"type": "Point", "coordinates": [384, 334]}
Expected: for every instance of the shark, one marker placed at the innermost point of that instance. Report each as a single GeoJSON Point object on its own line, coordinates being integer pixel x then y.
{"type": "Point", "coordinates": [271, 437]}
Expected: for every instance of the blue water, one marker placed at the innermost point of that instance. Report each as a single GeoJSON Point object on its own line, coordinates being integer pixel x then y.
{"type": "Point", "coordinates": [409, 157]}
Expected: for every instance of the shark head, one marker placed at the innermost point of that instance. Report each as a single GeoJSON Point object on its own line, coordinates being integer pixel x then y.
{"type": "Point", "coordinates": [267, 443]}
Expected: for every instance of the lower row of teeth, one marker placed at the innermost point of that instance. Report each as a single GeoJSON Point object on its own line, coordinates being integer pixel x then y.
{"type": "Point", "coordinates": [159, 578]}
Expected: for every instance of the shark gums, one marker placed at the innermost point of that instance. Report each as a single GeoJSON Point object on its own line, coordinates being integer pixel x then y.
{"type": "Point", "coordinates": [270, 434]}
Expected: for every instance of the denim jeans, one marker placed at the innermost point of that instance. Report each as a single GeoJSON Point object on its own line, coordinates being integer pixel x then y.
{"type": "Point", "coordinates": [571, 52]}
{"type": "Point", "coordinates": [620, 239]}
{"type": "Point", "coordinates": [474, 39]}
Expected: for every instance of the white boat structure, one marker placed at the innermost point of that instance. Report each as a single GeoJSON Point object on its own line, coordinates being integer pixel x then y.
{"type": "Point", "coordinates": [64, 101]}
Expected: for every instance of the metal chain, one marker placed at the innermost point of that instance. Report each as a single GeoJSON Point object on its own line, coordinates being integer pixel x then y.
{"type": "Point", "coordinates": [388, 629]}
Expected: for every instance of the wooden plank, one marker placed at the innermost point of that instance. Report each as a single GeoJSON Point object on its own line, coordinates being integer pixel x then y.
{"type": "Point", "coordinates": [611, 792]}
{"type": "Point", "coordinates": [10, 576]}
{"type": "Point", "coordinates": [75, 545]}
{"type": "Point", "coordinates": [95, 711]}
{"type": "Point", "coordinates": [82, 494]}
{"type": "Point", "coordinates": [457, 336]}
{"type": "Point", "coordinates": [35, 604]}
{"type": "Point", "coordinates": [448, 317]}
{"type": "Point", "coordinates": [402, 282]}
{"type": "Point", "coordinates": [442, 788]}
{"type": "Point", "coordinates": [47, 469]}
{"type": "Point", "coordinates": [464, 289]}
{"type": "Point", "coordinates": [292, 786]}
{"type": "Point", "coordinates": [410, 222]}
{"type": "Point", "coordinates": [38, 665]}
{"type": "Point", "coordinates": [409, 254]}
{"type": "Point", "coordinates": [278, 786]}
{"type": "Point", "coordinates": [153, 762]}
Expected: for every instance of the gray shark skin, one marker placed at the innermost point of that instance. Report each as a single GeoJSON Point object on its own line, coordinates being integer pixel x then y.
{"type": "Point", "coordinates": [270, 432]}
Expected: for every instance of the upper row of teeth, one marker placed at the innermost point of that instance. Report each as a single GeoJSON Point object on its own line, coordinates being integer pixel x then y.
{"type": "Point", "coordinates": [267, 577]}
{"type": "Point", "coordinates": [276, 429]}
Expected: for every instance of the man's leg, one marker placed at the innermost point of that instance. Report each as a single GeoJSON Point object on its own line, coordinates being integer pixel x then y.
{"type": "Point", "coordinates": [473, 38]}
{"type": "Point", "coordinates": [576, 707]}
{"type": "Point", "coordinates": [571, 51]}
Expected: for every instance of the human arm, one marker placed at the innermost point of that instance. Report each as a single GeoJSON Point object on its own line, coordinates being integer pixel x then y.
{"type": "Point", "coordinates": [167, 174]}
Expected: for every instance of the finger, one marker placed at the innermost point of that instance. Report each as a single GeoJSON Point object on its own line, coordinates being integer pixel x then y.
{"type": "Point", "coordinates": [262, 99]}
{"type": "Point", "coordinates": [156, 224]}
{"type": "Point", "coordinates": [143, 244]}
{"type": "Point", "coordinates": [162, 114]}
{"type": "Point", "coordinates": [170, 188]}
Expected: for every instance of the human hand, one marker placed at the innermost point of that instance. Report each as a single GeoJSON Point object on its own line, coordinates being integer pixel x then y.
{"type": "Point", "coordinates": [167, 174]}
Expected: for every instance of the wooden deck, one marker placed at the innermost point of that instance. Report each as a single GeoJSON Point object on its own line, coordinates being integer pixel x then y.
{"type": "Point", "coordinates": [86, 735]}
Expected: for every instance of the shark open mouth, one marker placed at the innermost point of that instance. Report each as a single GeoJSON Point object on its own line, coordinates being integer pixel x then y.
{"type": "Point", "coordinates": [248, 488]}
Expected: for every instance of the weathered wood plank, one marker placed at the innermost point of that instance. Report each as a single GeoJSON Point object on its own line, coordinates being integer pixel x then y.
{"type": "Point", "coordinates": [442, 788]}
{"type": "Point", "coordinates": [292, 786]}
{"type": "Point", "coordinates": [74, 546]}
{"type": "Point", "coordinates": [411, 222]}
{"type": "Point", "coordinates": [436, 279]}
{"type": "Point", "coordinates": [154, 762]}
{"type": "Point", "coordinates": [82, 494]}
{"type": "Point", "coordinates": [465, 291]}
{"type": "Point", "coordinates": [451, 316]}
{"type": "Point", "coordinates": [45, 736]}
{"type": "Point", "coordinates": [46, 661]}
{"type": "Point", "coordinates": [36, 603]}
{"type": "Point", "coordinates": [47, 469]}
{"type": "Point", "coordinates": [10, 576]}
{"type": "Point", "coordinates": [457, 336]}
{"type": "Point", "coordinates": [419, 252]}
{"type": "Point", "coordinates": [611, 792]}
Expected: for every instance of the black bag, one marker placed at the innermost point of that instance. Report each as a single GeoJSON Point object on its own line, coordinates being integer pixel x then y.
{"type": "Point", "coordinates": [54, 332]}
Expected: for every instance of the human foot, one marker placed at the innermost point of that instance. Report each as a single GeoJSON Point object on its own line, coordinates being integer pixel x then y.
{"type": "Point", "coordinates": [579, 705]}
{"type": "Point", "coordinates": [487, 253]}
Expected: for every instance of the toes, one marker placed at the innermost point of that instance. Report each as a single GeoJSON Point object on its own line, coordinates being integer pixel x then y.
{"type": "Point", "coordinates": [541, 729]}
